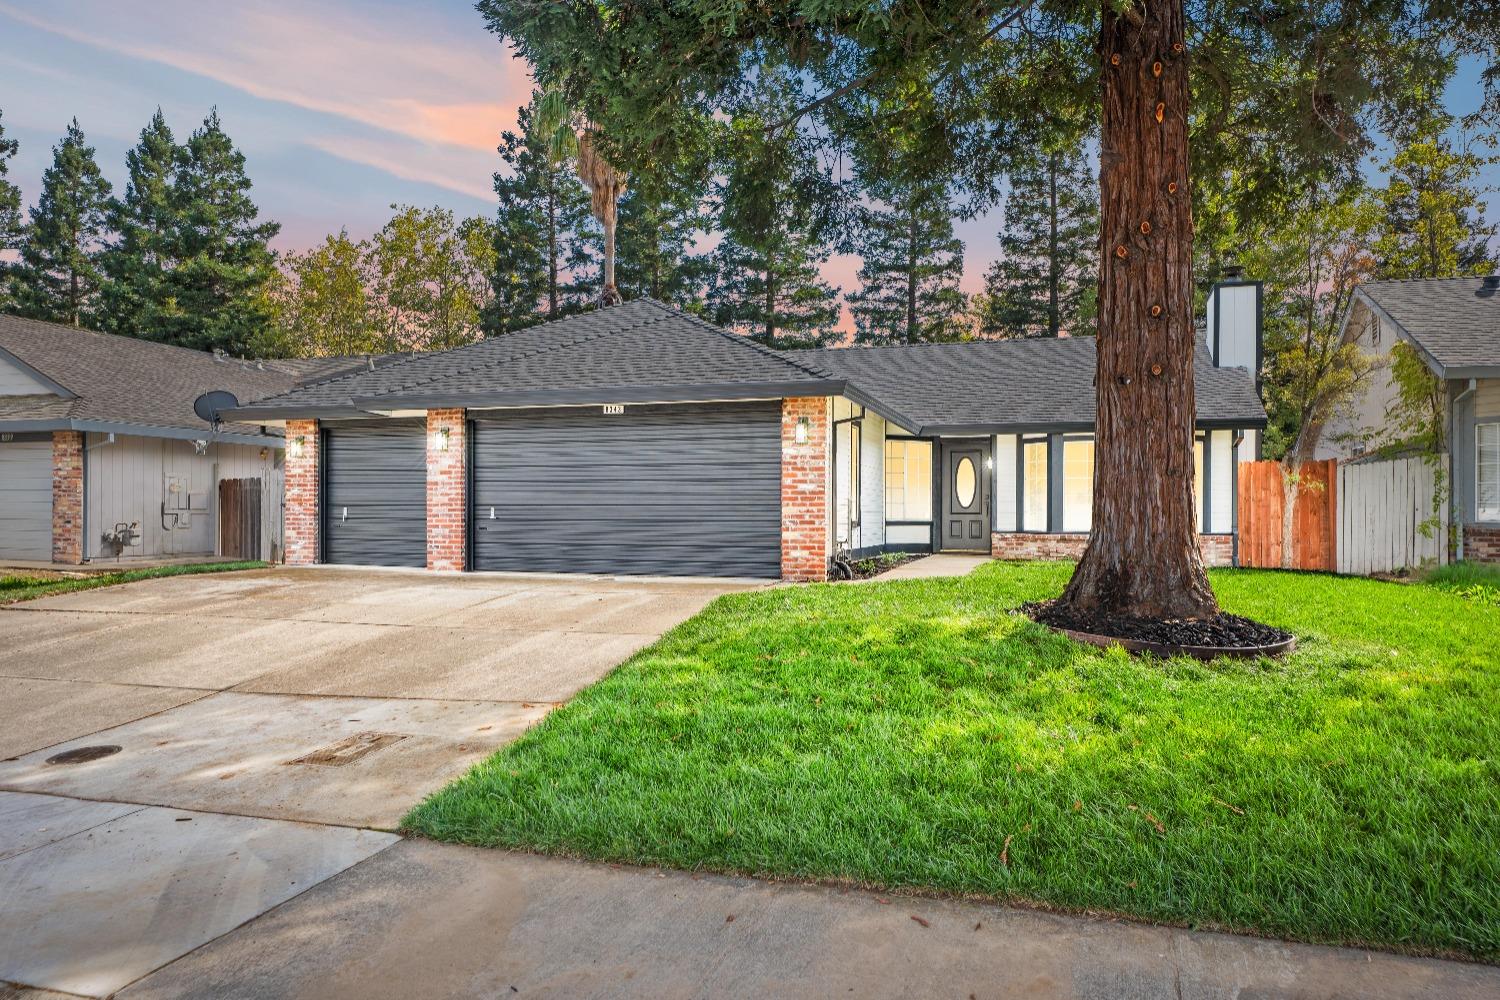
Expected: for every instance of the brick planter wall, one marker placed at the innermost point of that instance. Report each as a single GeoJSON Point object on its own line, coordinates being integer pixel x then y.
{"type": "Point", "coordinates": [301, 516]}
{"type": "Point", "coordinates": [67, 497]}
{"type": "Point", "coordinates": [447, 496]}
{"type": "Point", "coordinates": [1218, 550]}
{"type": "Point", "coordinates": [805, 475]}
{"type": "Point", "coordinates": [1481, 543]}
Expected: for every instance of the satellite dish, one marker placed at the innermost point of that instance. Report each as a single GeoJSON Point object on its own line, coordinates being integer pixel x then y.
{"type": "Point", "coordinates": [209, 405]}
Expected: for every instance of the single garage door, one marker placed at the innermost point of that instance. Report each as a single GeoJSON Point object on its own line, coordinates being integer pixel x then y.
{"type": "Point", "coordinates": [26, 499]}
{"type": "Point", "coordinates": [375, 493]}
{"type": "Point", "coordinates": [663, 490]}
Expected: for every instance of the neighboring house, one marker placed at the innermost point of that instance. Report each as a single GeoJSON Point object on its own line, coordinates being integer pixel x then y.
{"type": "Point", "coordinates": [640, 440]}
{"type": "Point", "coordinates": [101, 454]}
{"type": "Point", "coordinates": [1454, 324]}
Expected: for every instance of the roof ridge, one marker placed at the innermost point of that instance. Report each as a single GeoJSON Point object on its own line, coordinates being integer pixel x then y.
{"type": "Point", "coordinates": [582, 338]}
{"type": "Point", "coordinates": [740, 338]}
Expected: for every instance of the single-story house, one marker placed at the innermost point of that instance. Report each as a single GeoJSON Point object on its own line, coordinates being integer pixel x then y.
{"type": "Point", "coordinates": [1454, 325]}
{"type": "Point", "coordinates": [638, 439]}
{"type": "Point", "coordinates": [103, 457]}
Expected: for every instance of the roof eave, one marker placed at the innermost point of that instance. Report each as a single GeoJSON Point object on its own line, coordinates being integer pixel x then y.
{"type": "Point", "coordinates": [1472, 371]}
{"type": "Point", "coordinates": [136, 430]}
{"type": "Point", "coordinates": [1072, 426]}
{"type": "Point", "coordinates": [693, 393]}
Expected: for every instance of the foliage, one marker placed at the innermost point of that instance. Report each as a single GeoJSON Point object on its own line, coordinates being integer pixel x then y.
{"type": "Point", "coordinates": [1434, 208]}
{"type": "Point", "coordinates": [420, 283]}
{"type": "Point", "coordinates": [138, 299]}
{"type": "Point", "coordinates": [912, 735]}
{"type": "Point", "coordinates": [58, 278]}
{"type": "Point", "coordinates": [26, 587]}
{"type": "Point", "coordinates": [1479, 582]}
{"type": "Point", "coordinates": [1415, 418]}
{"type": "Point", "coordinates": [1044, 281]}
{"type": "Point", "coordinates": [222, 258]}
{"type": "Point", "coordinates": [542, 233]}
{"type": "Point", "coordinates": [429, 278]}
{"type": "Point", "coordinates": [912, 264]}
{"type": "Point", "coordinates": [1311, 256]}
{"type": "Point", "coordinates": [12, 229]}
{"type": "Point", "coordinates": [660, 218]}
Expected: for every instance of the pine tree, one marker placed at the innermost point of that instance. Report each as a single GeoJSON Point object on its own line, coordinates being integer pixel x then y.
{"type": "Point", "coordinates": [912, 265]}
{"type": "Point", "coordinates": [12, 230]}
{"type": "Point", "coordinates": [223, 258]}
{"type": "Point", "coordinates": [58, 278]}
{"type": "Point", "coordinates": [657, 230]}
{"type": "Point", "coordinates": [1044, 280]}
{"type": "Point", "coordinates": [540, 235]}
{"type": "Point", "coordinates": [775, 212]}
{"type": "Point", "coordinates": [1435, 216]}
{"type": "Point", "coordinates": [136, 298]}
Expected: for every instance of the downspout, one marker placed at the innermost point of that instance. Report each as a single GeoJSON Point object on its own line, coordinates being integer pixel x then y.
{"type": "Point", "coordinates": [1453, 511]}
{"type": "Point", "coordinates": [1234, 498]}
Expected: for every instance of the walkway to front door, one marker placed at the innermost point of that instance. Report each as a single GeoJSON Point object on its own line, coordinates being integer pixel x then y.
{"type": "Point", "coordinates": [966, 495]}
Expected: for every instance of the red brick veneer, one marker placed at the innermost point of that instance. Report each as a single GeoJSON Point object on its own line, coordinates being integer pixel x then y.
{"type": "Point", "coordinates": [1481, 543]}
{"type": "Point", "coordinates": [447, 491]}
{"type": "Point", "coordinates": [300, 520]}
{"type": "Point", "coordinates": [67, 497]}
{"type": "Point", "coordinates": [805, 471]}
{"type": "Point", "coordinates": [1218, 550]}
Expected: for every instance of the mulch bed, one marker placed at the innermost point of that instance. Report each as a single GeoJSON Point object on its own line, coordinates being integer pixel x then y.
{"type": "Point", "coordinates": [1222, 632]}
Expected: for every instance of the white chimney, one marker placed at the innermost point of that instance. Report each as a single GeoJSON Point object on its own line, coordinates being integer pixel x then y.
{"type": "Point", "coordinates": [1234, 323]}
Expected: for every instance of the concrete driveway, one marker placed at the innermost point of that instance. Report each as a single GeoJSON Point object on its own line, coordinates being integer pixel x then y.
{"type": "Point", "coordinates": [260, 730]}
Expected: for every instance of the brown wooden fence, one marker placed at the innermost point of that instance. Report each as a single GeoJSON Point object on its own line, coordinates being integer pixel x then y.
{"type": "Point", "coordinates": [239, 518]}
{"type": "Point", "coordinates": [1314, 521]}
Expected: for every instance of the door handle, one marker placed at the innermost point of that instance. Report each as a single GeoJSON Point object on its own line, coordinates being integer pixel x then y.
{"type": "Point", "coordinates": [345, 516]}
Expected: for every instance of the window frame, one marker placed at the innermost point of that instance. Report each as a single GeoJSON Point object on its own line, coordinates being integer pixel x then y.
{"type": "Point", "coordinates": [1487, 514]}
{"type": "Point", "coordinates": [1022, 441]}
{"type": "Point", "coordinates": [1068, 439]}
{"type": "Point", "coordinates": [904, 521]}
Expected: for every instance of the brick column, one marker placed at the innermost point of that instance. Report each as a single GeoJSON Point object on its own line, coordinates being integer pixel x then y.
{"type": "Point", "coordinates": [300, 520]}
{"type": "Point", "coordinates": [447, 489]}
{"type": "Point", "coordinates": [67, 497]}
{"type": "Point", "coordinates": [805, 490]}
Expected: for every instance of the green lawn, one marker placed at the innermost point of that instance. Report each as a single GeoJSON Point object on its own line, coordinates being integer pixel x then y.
{"type": "Point", "coordinates": [915, 735]}
{"type": "Point", "coordinates": [24, 586]}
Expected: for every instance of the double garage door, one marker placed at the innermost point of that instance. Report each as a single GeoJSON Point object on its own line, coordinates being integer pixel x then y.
{"type": "Point", "coordinates": [662, 490]}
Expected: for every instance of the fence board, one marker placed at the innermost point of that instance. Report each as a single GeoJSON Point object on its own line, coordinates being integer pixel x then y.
{"type": "Point", "coordinates": [1382, 510]}
{"type": "Point", "coordinates": [1315, 529]}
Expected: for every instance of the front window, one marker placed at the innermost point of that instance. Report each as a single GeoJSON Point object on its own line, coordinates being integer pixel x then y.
{"type": "Point", "coordinates": [1078, 484]}
{"type": "Point", "coordinates": [1487, 472]}
{"type": "Point", "coordinates": [1197, 482]}
{"type": "Point", "coordinates": [1034, 482]}
{"type": "Point", "coordinates": [908, 480]}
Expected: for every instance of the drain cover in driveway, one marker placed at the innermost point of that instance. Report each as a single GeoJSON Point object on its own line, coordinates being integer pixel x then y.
{"type": "Point", "coordinates": [349, 749]}
{"type": "Point", "coordinates": [82, 755]}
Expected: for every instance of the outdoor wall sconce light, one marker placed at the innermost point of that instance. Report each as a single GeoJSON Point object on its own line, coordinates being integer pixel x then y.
{"type": "Point", "coordinates": [440, 439]}
{"type": "Point", "coordinates": [804, 430]}
{"type": "Point", "coordinates": [296, 446]}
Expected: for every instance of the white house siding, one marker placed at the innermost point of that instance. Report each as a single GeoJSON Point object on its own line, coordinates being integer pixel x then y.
{"type": "Point", "coordinates": [872, 493]}
{"type": "Point", "coordinates": [15, 382]}
{"type": "Point", "coordinates": [1005, 482]}
{"type": "Point", "coordinates": [1348, 431]}
{"type": "Point", "coordinates": [870, 531]}
{"type": "Point", "coordinates": [127, 482]}
{"type": "Point", "coordinates": [1487, 398]}
{"type": "Point", "coordinates": [1222, 474]}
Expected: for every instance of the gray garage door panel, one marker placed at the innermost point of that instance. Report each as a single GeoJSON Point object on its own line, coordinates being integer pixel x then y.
{"type": "Point", "coordinates": [662, 490]}
{"type": "Point", "coordinates": [375, 494]}
{"type": "Point", "coordinates": [26, 500]}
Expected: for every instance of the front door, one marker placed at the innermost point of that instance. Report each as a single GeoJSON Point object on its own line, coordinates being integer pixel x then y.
{"type": "Point", "coordinates": [966, 495]}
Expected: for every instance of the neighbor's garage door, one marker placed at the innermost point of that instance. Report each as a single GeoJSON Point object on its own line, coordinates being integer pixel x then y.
{"type": "Point", "coordinates": [375, 494]}
{"type": "Point", "coordinates": [26, 499]}
{"type": "Point", "coordinates": [671, 490]}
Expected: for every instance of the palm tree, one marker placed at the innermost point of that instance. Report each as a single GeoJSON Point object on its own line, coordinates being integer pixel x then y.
{"type": "Point", "coordinates": [555, 122]}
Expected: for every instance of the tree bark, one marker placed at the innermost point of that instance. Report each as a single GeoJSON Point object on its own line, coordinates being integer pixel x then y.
{"type": "Point", "coordinates": [552, 253]}
{"type": "Point", "coordinates": [1143, 557]}
{"type": "Point", "coordinates": [911, 276]}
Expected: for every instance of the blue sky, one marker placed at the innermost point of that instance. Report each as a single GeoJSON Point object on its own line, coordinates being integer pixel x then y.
{"type": "Point", "coordinates": [341, 107]}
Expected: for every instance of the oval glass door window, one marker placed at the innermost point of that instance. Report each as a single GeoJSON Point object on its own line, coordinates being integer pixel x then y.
{"type": "Point", "coordinates": [964, 482]}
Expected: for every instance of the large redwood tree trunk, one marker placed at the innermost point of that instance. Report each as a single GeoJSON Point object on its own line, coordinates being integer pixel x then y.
{"type": "Point", "coordinates": [1143, 557]}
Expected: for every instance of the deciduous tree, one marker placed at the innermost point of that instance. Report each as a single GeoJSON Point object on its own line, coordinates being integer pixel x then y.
{"type": "Point", "coordinates": [1434, 206]}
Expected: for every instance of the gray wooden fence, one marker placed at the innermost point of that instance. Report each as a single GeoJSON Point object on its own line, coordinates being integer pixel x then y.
{"type": "Point", "coordinates": [1383, 508]}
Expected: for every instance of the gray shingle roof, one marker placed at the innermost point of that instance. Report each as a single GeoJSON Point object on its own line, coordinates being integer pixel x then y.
{"type": "Point", "coordinates": [124, 380]}
{"type": "Point", "coordinates": [1455, 320]}
{"type": "Point", "coordinates": [619, 353]}
{"type": "Point", "coordinates": [999, 385]}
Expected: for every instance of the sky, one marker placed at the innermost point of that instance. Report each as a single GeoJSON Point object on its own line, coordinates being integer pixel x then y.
{"type": "Point", "coordinates": [341, 107]}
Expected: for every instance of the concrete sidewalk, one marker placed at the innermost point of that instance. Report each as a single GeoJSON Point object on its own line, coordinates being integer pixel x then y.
{"type": "Point", "coordinates": [437, 921]}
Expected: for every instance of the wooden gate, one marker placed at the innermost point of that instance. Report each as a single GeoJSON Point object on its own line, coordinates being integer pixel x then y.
{"type": "Point", "coordinates": [1390, 517]}
{"type": "Point", "coordinates": [1262, 503]}
{"type": "Point", "coordinates": [239, 518]}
